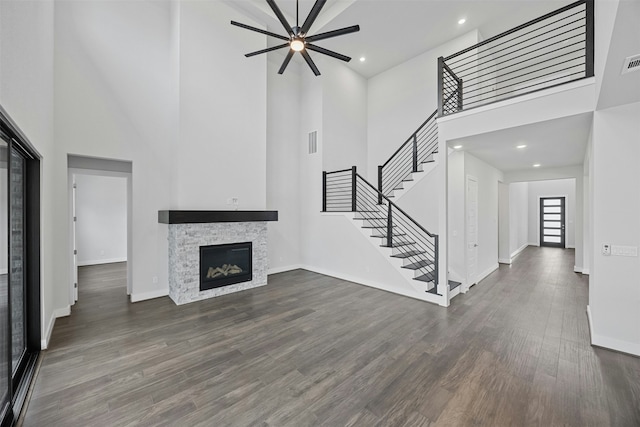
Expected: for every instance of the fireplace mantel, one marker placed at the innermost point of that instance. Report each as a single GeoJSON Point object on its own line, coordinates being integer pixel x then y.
{"type": "Point", "coordinates": [207, 217]}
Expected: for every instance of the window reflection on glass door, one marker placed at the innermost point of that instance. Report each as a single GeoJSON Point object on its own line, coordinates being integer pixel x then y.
{"type": "Point", "coordinates": [17, 257]}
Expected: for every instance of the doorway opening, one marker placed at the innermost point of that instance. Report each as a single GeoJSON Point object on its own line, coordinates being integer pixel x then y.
{"type": "Point", "coordinates": [100, 194]}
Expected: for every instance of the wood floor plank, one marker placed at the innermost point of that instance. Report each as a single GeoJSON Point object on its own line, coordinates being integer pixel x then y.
{"type": "Point", "coordinates": [312, 350]}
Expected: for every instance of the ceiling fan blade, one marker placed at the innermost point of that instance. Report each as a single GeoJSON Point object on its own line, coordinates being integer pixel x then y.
{"type": "Point", "coordinates": [269, 49]}
{"type": "Point", "coordinates": [328, 52]}
{"type": "Point", "coordinates": [286, 61]}
{"type": "Point", "coordinates": [258, 30]}
{"type": "Point", "coordinates": [310, 62]}
{"type": "Point", "coordinates": [280, 17]}
{"type": "Point", "coordinates": [315, 11]}
{"type": "Point", "coordinates": [334, 33]}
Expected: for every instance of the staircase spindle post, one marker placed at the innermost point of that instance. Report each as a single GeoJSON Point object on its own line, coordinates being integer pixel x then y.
{"type": "Point", "coordinates": [353, 189]}
{"type": "Point", "coordinates": [324, 191]}
{"type": "Point", "coordinates": [459, 94]}
{"type": "Point", "coordinates": [440, 86]}
{"type": "Point", "coordinates": [379, 185]}
{"type": "Point", "coordinates": [389, 227]}
{"type": "Point", "coordinates": [415, 152]}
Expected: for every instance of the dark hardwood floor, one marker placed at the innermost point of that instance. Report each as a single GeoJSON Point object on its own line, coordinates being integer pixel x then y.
{"type": "Point", "coordinates": [313, 350]}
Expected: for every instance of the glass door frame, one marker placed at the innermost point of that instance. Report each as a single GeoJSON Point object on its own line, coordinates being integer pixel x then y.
{"type": "Point", "coordinates": [561, 221]}
{"type": "Point", "coordinates": [20, 380]}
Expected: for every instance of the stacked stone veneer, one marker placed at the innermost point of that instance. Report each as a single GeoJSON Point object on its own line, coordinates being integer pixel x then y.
{"type": "Point", "coordinates": [184, 256]}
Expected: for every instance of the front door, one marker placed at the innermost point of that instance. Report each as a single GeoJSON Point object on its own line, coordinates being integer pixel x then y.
{"type": "Point", "coordinates": [552, 221]}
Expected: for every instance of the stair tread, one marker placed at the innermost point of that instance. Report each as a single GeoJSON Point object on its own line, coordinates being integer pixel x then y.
{"type": "Point", "coordinates": [383, 227]}
{"type": "Point", "coordinates": [384, 236]}
{"type": "Point", "coordinates": [407, 254]}
{"type": "Point", "coordinates": [418, 264]}
{"type": "Point", "coordinates": [372, 217]}
{"type": "Point", "coordinates": [399, 244]}
{"type": "Point", "coordinates": [433, 290]}
{"type": "Point", "coordinates": [428, 277]}
{"type": "Point", "coordinates": [453, 284]}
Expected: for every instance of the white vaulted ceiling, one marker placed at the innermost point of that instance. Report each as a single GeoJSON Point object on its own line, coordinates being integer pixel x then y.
{"type": "Point", "coordinates": [393, 31]}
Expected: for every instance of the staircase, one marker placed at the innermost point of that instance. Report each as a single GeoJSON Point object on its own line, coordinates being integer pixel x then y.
{"type": "Point", "coordinates": [411, 248]}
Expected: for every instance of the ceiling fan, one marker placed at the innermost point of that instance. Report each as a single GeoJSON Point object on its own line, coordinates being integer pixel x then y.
{"type": "Point", "coordinates": [297, 39]}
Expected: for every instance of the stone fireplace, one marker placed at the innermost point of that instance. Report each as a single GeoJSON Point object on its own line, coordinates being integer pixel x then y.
{"type": "Point", "coordinates": [234, 244]}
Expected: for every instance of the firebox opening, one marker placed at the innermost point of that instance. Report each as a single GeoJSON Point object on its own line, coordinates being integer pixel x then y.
{"type": "Point", "coordinates": [223, 265]}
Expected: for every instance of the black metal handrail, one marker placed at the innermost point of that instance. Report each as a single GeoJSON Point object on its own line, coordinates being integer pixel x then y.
{"type": "Point", "coordinates": [417, 149]}
{"type": "Point", "coordinates": [348, 191]}
{"type": "Point", "coordinates": [548, 51]}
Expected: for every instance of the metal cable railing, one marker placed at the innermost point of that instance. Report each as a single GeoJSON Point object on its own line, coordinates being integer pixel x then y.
{"type": "Point", "coordinates": [417, 149]}
{"type": "Point", "coordinates": [347, 191]}
{"type": "Point", "coordinates": [554, 49]}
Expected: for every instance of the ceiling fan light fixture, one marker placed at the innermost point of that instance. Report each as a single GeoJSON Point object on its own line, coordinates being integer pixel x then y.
{"type": "Point", "coordinates": [297, 45]}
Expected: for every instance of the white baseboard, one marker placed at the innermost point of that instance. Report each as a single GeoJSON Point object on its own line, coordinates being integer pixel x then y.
{"type": "Point", "coordinates": [60, 312]}
{"type": "Point", "coordinates": [520, 249]}
{"type": "Point", "coordinates": [101, 261]}
{"type": "Point", "coordinates": [277, 270]}
{"type": "Point", "coordinates": [504, 261]}
{"type": "Point", "coordinates": [590, 324]}
{"type": "Point", "coordinates": [149, 295]}
{"type": "Point", "coordinates": [569, 246]}
{"type": "Point", "coordinates": [611, 343]}
{"type": "Point", "coordinates": [487, 272]}
{"type": "Point", "coordinates": [427, 296]}
{"type": "Point", "coordinates": [577, 269]}
{"type": "Point", "coordinates": [533, 244]}
{"type": "Point", "coordinates": [4, 271]}
{"type": "Point", "coordinates": [585, 271]}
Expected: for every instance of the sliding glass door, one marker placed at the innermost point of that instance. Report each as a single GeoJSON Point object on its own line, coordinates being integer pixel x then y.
{"type": "Point", "coordinates": [4, 280]}
{"type": "Point", "coordinates": [19, 267]}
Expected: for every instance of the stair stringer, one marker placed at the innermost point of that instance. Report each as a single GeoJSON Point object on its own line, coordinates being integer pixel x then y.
{"type": "Point", "coordinates": [386, 252]}
{"type": "Point", "coordinates": [425, 170]}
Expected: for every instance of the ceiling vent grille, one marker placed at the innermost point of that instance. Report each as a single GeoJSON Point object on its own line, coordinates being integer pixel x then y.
{"type": "Point", "coordinates": [313, 142]}
{"type": "Point", "coordinates": [631, 63]}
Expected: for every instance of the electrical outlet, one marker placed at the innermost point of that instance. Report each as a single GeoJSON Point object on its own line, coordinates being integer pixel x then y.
{"type": "Point", "coordinates": [606, 249]}
{"type": "Point", "coordinates": [234, 200]}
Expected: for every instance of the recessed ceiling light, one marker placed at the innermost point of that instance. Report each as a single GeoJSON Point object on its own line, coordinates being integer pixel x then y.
{"type": "Point", "coordinates": [457, 147]}
{"type": "Point", "coordinates": [362, 59]}
{"type": "Point", "coordinates": [461, 21]}
{"type": "Point", "coordinates": [537, 165]}
{"type": "Point", "coordinates": [521, 146]}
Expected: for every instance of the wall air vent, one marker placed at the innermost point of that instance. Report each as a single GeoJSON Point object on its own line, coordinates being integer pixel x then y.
{"type": "Point", "coordinates": [313, 142]}
{"type": "Point", "coordinates": [631, 63]}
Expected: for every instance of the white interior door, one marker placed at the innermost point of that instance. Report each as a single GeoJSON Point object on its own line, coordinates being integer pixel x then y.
{"type": "Point", "coordinates": [73, 240]}
{"type": "Point", "coordinates": [472, 229]}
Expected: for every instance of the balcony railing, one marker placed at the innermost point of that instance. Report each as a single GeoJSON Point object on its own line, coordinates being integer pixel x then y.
{"type": "Point", "coordinates": [551, 50]}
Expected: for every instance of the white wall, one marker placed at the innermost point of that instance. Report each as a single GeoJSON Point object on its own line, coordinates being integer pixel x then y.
{"type": "Point", "coordinates": [456, 223]}
{"type": "Point", "coordinates": [562, 187]}
{"type": "Point", "coordinates": [488, 178]}
{"type": "Point", "coordinates": [223, 120]}
{"type": "Point", "coordinates": [101, 219]}
{"type": "Point", "coordinates": [614, 294]}
{"type": "Point", "coordinates": [26, 93]}
{"type": "Point", "coordinates": [518, 217]}
{"type": "Point", "coordinates": [285, 145]}
{"type": "Point", "coordinates": [344, 113]}
{"type": "Point", "coordinates": [116, 100]}
{"type": "Point", "coordinates": [401, 99]}
{"type": "Point", "coordinates": [504, 248]}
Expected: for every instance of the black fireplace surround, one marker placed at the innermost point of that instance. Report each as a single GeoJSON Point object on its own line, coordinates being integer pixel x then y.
{"type": "Point", "coordinates": [223, 265]}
